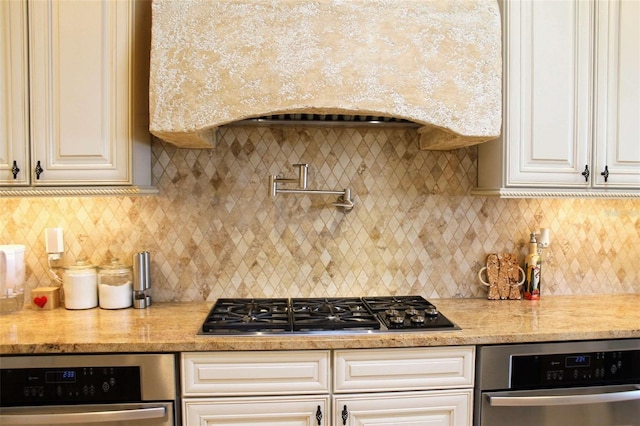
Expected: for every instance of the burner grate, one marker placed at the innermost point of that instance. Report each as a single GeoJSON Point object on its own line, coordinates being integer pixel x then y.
{"type": "Point", "coordinates": [248, 315]}
{"type": "Point", "coordinates": [314, 314]}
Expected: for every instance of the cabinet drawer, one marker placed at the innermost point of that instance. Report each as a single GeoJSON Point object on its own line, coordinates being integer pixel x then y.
{"type": "Point", "coordinates": [403, 369]}
{"type": "Point", "coordinates": [255, 373]}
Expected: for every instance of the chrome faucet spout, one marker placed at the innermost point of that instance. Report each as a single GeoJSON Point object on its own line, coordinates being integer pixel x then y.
{"type": "Point", "coordinates": [301, 180]}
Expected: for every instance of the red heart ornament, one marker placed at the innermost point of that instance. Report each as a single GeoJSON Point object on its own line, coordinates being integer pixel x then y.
{"type": "Point", "coordinates": [40, 301]}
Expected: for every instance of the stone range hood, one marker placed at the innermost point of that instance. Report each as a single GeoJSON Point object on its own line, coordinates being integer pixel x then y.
{"type": "Point", "coordinates": [436, 63]}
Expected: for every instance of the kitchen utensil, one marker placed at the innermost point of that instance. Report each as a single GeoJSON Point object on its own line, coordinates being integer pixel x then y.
{"type": "Point", "coordinates": [11, 278]}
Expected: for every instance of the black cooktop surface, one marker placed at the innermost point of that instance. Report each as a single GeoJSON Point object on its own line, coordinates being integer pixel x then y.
{"type": "Point", "coordinates": [317, 315]}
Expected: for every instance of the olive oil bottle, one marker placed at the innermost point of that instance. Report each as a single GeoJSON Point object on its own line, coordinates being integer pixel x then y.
{"type": "Point", "coordinates": [532, 268]}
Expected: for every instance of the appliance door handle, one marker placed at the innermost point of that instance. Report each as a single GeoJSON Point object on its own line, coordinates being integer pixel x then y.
{"type": "Point", "coordinates": [83, 417]}
{"type": "Point", "coordinates": [511, 399]}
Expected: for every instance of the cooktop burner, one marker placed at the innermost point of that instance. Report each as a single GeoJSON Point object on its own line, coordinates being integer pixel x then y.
{"type": "Point", "coordinates": [248, 315]}
{"type": "Point", "coordinates": [332, 314]}
{"type": "Point", "coordinates": [305, 315]}
{"type": "Point", "coordinates": [407, 313]}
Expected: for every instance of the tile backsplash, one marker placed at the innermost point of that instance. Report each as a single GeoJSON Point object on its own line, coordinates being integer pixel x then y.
{"type": "Point", "coordinates": [214, 232]}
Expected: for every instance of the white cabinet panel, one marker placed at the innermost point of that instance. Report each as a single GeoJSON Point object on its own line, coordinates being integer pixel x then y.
{"type": "Point", "coordinates": [571, 101]}
{"type": "Point", "coordinates": [403, 369]}
{"type": "Point", "coordinates": [80, 91]}
{"type": "Point", "coordinates": [255, 373]}
{"type": "Point", "coordinates": [270, 411]}
{"type": "Point", "coordinates": [405, 386]}
{"type": "Point", "coordinates": [617, 105]}
{"type": "Point", "coordinates": [430, 408]}
{"type": "Point", "coordinates": [74, 97]}
{"type": "Point", "coordinates": [548, 89]}
{"type": "Point", "coordinates": [14, 102]}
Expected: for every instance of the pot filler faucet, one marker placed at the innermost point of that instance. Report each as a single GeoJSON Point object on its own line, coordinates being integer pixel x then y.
{"type": "Point", "coordinates": [344, 196]}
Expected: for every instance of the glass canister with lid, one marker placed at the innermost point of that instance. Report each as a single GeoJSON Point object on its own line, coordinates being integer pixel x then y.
{"type": "Point", "coordinates": [80, 285]}
{"type": "Point", "coordinates": [115, 286]}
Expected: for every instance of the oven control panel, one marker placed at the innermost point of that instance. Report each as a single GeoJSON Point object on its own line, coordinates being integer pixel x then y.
{"type": "Point", "coordinates": [50, 386]}
{"type": "Point", "coordinates": [575, 369]}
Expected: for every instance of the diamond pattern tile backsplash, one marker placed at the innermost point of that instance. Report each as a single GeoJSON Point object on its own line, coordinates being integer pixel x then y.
{"type": "Point", "coordinates": [214, 232]}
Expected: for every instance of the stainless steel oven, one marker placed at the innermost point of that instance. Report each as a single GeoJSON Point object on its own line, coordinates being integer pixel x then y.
{"type": "Point", "coordinates": [104, 389]}
{"type": "Point", "coordinates": [564, 384]}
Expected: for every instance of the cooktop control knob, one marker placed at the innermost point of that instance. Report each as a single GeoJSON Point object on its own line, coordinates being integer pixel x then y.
{"type": "Point", "coordinates": [431, 311]}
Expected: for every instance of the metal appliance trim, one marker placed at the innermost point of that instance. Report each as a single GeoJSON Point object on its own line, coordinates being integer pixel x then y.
{"type": "Point", "coordinates": [154, 368]}
{"type": "Point", "coordinates": [325, 120]}
{"type": "Point", "coordinates": [492, 375]}
{"type": "Point", "coordinates": [87, 414]}
{"type": "Point", "coordinates": [564, 396]}
{"type": "Point", "coordinates": [494, 370]}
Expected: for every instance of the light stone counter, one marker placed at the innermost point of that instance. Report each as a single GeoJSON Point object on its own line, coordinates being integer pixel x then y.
{"type": "Point", "coordinates": [172, 327]}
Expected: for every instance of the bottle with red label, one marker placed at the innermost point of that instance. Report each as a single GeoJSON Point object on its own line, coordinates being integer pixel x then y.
{"type": "Point", "coordinates": [532, 268]}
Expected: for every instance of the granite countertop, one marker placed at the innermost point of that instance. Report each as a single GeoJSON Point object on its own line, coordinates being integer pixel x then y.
{"type": "Point", "coordinates": [173, 327]}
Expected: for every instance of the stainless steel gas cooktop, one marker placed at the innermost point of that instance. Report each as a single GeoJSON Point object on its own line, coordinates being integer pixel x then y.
{"type": "Point", "coordinates": [322, 315]}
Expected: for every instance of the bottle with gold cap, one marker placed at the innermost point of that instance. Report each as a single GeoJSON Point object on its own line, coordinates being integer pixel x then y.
{"type": "Point", "coordinates": [532, 266]}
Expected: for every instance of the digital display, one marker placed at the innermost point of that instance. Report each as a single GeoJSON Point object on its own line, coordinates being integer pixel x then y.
{"type": "Point", "coordinates": [60, 376]}
{"type": "Point", "coordinates": [578, 361]}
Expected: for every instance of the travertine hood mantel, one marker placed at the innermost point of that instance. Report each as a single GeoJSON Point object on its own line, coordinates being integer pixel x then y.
{"type": "Point", "coordinates": [433, 62]}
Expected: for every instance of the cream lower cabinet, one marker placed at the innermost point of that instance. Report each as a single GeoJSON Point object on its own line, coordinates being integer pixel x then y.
{"type": "Point", "coordinates": [75, 95]}
{"type": "Point", "coordinates": [434, 408]}
{"type": "Point", "coordinates": [408, 386]}
{"type": "Point", "coordinates": [571, 101]}
{"type": "Point", "coordinates": [271, 388]}
{"type": "Point", "coordinates": [267, 411]}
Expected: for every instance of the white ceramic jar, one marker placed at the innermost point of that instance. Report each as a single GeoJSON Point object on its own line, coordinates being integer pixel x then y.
{"type": "Point", "coordinates": [115, 288]}
{"type": "Point", "coordinates": [80, 284]}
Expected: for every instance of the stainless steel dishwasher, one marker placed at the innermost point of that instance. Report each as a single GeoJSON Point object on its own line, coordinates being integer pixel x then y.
{"type": "Point", "coordinates": [559, 384]}
{"type": "Point", "coordinates": [104, 389]}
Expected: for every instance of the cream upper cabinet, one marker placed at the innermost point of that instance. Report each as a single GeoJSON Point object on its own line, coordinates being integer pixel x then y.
{"type": "Point", "coordinates": [617, 95]}
{"type": "Point", "coordinates": [571, 101]}
{"type": "Point", "coordinates": [14, 94]}
{"type": "Point", "coordinates": [88, 93]}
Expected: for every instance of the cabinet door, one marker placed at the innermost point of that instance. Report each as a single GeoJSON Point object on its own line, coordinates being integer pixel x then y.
{"type": "Point", "coordinates": [14, 103]}
{"type": "Point", "coordinates": [80, 77]}
{"type": "Point", "coordinates": [442, 408]}
{"type": "Point", "coordinates": [548, 55]}
{"type": "Point", "coordinates": [268, 411]}
{"type": "Point", "coordinates": [617, 102]}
